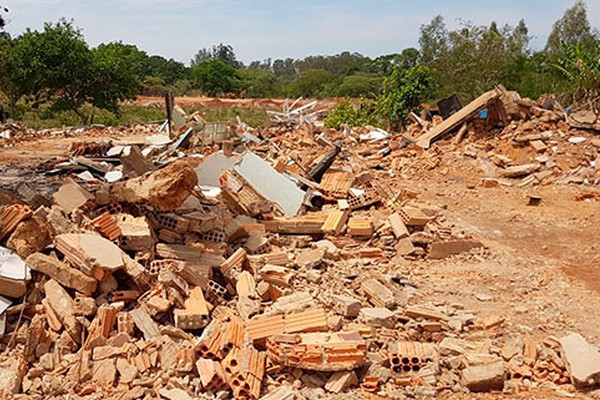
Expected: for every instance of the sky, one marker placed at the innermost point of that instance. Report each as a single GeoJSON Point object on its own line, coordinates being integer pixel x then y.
{"type": "Point", "coordinates": [261, 29]}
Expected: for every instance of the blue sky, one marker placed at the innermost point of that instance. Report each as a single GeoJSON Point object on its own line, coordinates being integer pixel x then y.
{"type": "Point", "coordinates": [279, 28]}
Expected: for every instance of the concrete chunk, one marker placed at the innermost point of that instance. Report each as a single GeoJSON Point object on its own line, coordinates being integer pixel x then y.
{"type": "Point", "coordinates": [582, 360]}
{"type": "Point", "coordinates": [345, 305]}
{"type": "Point", "coordinates": [484, 378]}
{"type": "Point", "coordinates": [439, 250]}
{"type": "Point", "coordinates": [62, 273]}
{"type": "Point", "coordinates": [378, 317]}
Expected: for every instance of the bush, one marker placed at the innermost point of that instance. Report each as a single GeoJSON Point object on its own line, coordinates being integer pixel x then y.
{"type": "Point", "coordinates": [347, 113]}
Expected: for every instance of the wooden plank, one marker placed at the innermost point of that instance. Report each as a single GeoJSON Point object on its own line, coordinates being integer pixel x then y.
{"type": "Point", "coordinates": [458, 118]}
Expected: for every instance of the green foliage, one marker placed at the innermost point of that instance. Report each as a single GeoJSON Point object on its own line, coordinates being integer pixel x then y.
{"type": "Point", "coordinates": [310, 83]}
{"type": "Point", "coordinates": [360, 84]}
{"type": "Point", "coordinates": [58, 64]}
{"type": "Point", "coordinates": [259, 83]}
{"type": "Point", "coordinates": [221, 52]}
{"type": "Point", "coordinates": [572, 29]}
{"type": "Point", "coordinates": [403, 92]}
{"type": "Point", "coordinates": [215, 78]}
{"type": "Point", "coordinates": [345, 112]}
{"type": "Point", "coordinates": [473, 59]}
{"type": "Point", "coordinates": [170, 71]}
{"type": "Point", "coordinates": [9, 92]}
{"type": "Point", "coordinates": [116, 70]}
{"type": "Point", "coordinates": [581, 67]}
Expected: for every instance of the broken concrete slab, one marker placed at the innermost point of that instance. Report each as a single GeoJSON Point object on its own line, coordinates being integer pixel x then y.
{"type": "Point", "coordinates": [212, 167]}
{"type": "Point", "coordinates": [64, 307]}
{"type": "Point", "coordinates": [485, 377]}
{"type": "Point", "coordinates": [30, 236]}
{"type": "Point", "coordinates": [165, 189]}
{"type": "Point", "coordinates": [90, 253]}
{"type": "Point", "coordinates": [582, 360]}
{"type": "Point", "coordinates": [443, 249]}
{"type": "Point", "coordinates": [12, 266]}
{"type": "Point", "coordinates": [270, 184]}
{"type": "Point", "coordinates": [71, 196]}
{"type": "Point", "coordinates": [62, 273]}
{"type": "Point", "coordinates": [519, 171]}
{"type": "Point", "coordinates": [346, 305]}
{"type": "Point", "coordinates": [378, 317]}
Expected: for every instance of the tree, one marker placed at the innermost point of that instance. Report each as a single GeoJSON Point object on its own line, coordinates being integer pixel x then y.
{"type": "Point", "coordinates": [573, 28]}
{"type": "Point", "coordinates": [259, 83]}
{"type": "Point", "coordinates": [310, 83]}
{"type": "Point", "coordinates": [221, 52]}
{"type": "Point", "coordinates": [360, 84]}
{"type": "Point", "coordinates": [285, 68]}
{"type": "Point", "coordinates": [58, 64]}
{"type": "Point", "coordinates": [581, 67]}
{"type": "Point", "coordinates": [434, 40]}
{"type": "Point", "coordinates": [403, 92]}
{"type": "Point", "coordinates": [170, 71]}
{"type": "Point", "coordinates": [473, 59]}
{"type": "Point", "coordinates": [215, 77]}
{"type": "Point", "coordinates": [9, 92]}
{"type": "Point", "coordinates": [117, 69]}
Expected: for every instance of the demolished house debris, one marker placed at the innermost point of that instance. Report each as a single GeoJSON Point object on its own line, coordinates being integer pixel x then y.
{"type": "Point", "coordinates": [148, 286]}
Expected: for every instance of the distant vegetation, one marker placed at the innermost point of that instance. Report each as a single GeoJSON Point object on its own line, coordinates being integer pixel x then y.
{"type": "Point", "coordinates": [55, 70]}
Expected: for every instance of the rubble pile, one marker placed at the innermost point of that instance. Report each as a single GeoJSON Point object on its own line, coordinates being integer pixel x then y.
{"type": "Point", "coordinates": [516, 142]}
{"type": "Point", "coordinates": [265, 268]}
{"type": "Point", "coordinates": [13, 133]}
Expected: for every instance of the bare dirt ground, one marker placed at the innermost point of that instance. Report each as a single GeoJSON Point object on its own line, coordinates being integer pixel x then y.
{"type": "Point", "coordinates": [542, 270]}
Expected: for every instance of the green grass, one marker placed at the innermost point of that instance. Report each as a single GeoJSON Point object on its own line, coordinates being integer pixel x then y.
{"type": "Point", "coordinates": [132, 115]}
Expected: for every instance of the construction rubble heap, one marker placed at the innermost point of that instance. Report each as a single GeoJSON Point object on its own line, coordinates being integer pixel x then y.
{"type": "Point", "coordinates": [264, 264]}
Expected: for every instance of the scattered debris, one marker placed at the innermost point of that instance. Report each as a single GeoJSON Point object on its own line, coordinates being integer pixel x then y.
{"type": "Point", "coordinates": [260, 264]}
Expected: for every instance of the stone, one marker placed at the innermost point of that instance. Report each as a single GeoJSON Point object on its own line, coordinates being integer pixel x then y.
{"type": "Point", "coordinates": [439, 250]}
{"type": "Point", "coordinates": [519, 171]}
{"type": "Point", "coordinates": [175, 394]}
{"type": "Point", "coordinates": [62, 273]}
{"type": "Point", "coordinates": [405, 247]}
{"type": "Point", "coordinates": [331, 251]}
{"type": "Point", "coordinates": [485, 377]}
{"type": "Point", "coordinates": [165, 189]}
{"type": "Point", "coordinates": [512, 347]}
{"type": "Point", "coordinates": [10, 379]}
{"type": "Point", "coordinates": [483, 297]}
{"type": "Point", "coordinates": [346, 306]}
{"type": "Point", "coordinates": [127, 371]}
{"type": "Point", "coordinates": [378, 317]}
{"type": "Point", "coordinates": [310, 258]}
{"type": "Point", "coordinates": [30, 236]}
{"type": "Point", "coordinates": [582, 360]}
{"type": "Point", "coordinates": [456, 324]}
{"type": "Point", "coordinates": [335, 322]}
{"type": "Point", "coordinates": [104, 372]}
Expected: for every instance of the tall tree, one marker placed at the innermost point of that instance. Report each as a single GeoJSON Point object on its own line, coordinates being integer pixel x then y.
{"type": "Point", "coordinates": [215, 78]}
{"type": "Point", "coordinates": [434, 40]}
{"type": "Point", "coordinates": [573, 28]}
{"type": "Point", "coordinates": [58, 63]}
{"type": "Point", "coordinates": [221, 52]}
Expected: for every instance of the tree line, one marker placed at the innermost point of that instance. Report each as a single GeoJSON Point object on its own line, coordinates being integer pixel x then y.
{"type": "Point", "coordinates": [56, 66]}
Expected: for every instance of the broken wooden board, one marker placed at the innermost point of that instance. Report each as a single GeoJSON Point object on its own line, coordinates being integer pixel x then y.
{"type": "Point", "coordinates": [457, 119]}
